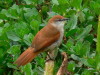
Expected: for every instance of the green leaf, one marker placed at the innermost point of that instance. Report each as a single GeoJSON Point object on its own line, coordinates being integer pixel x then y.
{"type": "Point", "coordinates": [11, 13]}
{"type": "Point", "coordinates": [76, 3]}
{"type": "Point", "coordinates": [85, 32]}
{"type": "Point", "coordinates": [51, 14]}
{"type": "Point", "coordinates": [90, 38]}
{"type": "Point", "coordinates": [62, 1]}
{"type": "Point", "coordinates": [4, 42]}
{"type": "Point", "coordinates": [91, 62]}
{"type": "Point", "coordinates": [21, 28]}
{"type": "Point", "coordinates": [10, 65]}
{"type": "Point", "coordinates": [95, 5]}
{"type": "Point", "coordinates": [85, 62]}
{"type": "Point", "coordinates": [14, 50]}
{"type": "Point", "coordinates": [1, 53]}
{"type": "Point", "coordinates": [44, 11]}
{"type": "Point", "coordinates": [82, 48]}
{"type": "Point", "coordinates": [3, 16]}
{"type": "Point", "coordinates": [55, 2]}
{"type": "Point", "coordinates": [12, 35]}
{"type": "Point", "coordinates": [28, 1]}
{"type": "Point", "coordinates": [20, 23]}
{"type": "Point", "coordinates": [76, 74]}
{"type": "Point", "coordinates": [61, 7]}
{"type": "Point", "coordinates": [40, 61]}
{"type": "Point", "coordinates": [1, 29]}
{"type": "Point", "coordinates": [2, 71]}
{"type": "Point", "coordinates": [35, 25]}
{"type": "Point", "coordinates": [77, 47]}
{"type": "Point", "coordinates": [71, 32]}
{"type": "Point", "coordinates": [15, 72]}
{"type": "Point", "coordinates": [69, 43]}
{"type": "Point", "coordinates": [30, 14]}
{"type": "Point", "coordinates": [72, 22]}
{"type": "Point", "coordinates": [81, 16]}
{"type": "Point", "coordinates": [87, 72]}
{"type": "Point", "coordinates": [85, 49]}
{"type": "Point", "coordinates": [28, 39]}
{"type": "Point", "coordinates": [27, 69]}
{"type": "Point", "coordinates": [75, 57]}
{"type": "Point", "coordinates": [71, 66]}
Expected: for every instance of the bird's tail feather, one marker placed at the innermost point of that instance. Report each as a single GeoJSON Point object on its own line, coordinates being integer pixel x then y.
{"type": "Point", "coordinates": [26, 57]}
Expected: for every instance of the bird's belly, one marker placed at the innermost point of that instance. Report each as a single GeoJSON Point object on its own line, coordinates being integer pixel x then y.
{"type": "Point", "coordinates": [56, 44]}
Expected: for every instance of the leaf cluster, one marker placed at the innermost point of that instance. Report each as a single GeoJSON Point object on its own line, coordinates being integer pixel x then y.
{"type": "Point", "coordinates": [20, 20]}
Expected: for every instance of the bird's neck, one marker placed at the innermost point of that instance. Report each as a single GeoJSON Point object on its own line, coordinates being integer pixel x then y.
{"type": "Point", "coordinates": [59, 26]}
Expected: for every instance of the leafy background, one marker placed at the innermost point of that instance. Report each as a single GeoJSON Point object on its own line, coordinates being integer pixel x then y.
{"type": "Point", "coordinates": [20, 20]}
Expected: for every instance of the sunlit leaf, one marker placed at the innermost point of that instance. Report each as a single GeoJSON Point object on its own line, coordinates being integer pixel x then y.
{"type": "Point", "coordinates": [14, 50]}
{"type": "Point", "coordinates": [85, 32]}
{"type": "Point", "coordinates": [28, 39]}
{"type": "Point", "coordinates": [71, 66]}
{"type": "Point", "coordinates": [35, 25]}
{"type": "Point", "coordinates": [21, 28]}
{"type": "Point", "coordinates": [55, 2]}
{"type": "Point", "coordinates": [76, 3]}
{"type": "Point", "coordinates": [72, 22]}
{"type": "Point", "coordinates": [27, 69]}
{"type": "Point", "coordinates": [11, 35]}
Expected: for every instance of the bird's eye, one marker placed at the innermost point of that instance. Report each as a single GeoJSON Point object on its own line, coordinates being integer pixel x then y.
{"type": "Point", "coordinates": [62, 19]}
{"type": "Point", "coordinates": [59, 20]}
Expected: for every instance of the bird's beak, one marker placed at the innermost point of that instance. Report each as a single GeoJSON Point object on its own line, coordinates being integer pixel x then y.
{"type": "Point", "coordinates": [65, 19]}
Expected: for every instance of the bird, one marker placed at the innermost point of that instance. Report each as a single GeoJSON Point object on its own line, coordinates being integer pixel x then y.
{"type": "Point", "coordinates": [47, 39]}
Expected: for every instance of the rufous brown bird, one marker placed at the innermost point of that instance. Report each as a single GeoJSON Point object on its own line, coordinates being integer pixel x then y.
{"type": "Point", "coordinates": [46, 39]}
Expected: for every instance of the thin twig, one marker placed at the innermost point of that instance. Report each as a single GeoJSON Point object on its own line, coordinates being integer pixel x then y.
{"type": "Point", "coordinates": [17, 3]}
{"type": "Point", "coordinates": [98, 45]}
{"type": "Point", "coordinates": [62, 70]}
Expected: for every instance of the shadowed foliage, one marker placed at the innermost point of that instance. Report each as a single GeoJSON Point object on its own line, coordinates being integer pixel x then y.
{"type": "Point", "coordinates": [20, 20]}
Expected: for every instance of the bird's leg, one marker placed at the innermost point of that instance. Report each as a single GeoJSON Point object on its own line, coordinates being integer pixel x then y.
{"type": "Point", "coordinates": [49, 57]}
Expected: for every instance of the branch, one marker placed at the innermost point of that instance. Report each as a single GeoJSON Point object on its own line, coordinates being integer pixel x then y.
{"type": "Point", "coordinates": [49, 65]}
{"type": "Point", "coordinates": [98, 45]}
{"type": "Point", "coordinates": [17, 3]}
{"type": "Point", "coordinates": [98, 36]}
{"type": "Point", "coordinates": [62, 70]}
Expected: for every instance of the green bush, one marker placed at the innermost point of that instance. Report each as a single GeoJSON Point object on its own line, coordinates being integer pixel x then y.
{"type": "Point", "coordinates": [20, 21]}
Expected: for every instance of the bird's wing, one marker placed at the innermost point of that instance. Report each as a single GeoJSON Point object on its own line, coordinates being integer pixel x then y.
{"type": "Point", "coordinates": [45, 37]}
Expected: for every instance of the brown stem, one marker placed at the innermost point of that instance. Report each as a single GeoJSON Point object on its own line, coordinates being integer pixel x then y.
{"type": "Point", "coordinates": [62, 70]}
{"type": "Point", "coordinates": [49, 65]}
{"type": "Point", "coordinates": [65, 39]}
{"type": "Point", "coordinates": [17, 3]}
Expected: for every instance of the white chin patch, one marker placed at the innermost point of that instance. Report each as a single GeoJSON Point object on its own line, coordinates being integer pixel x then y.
{"type": "Point", "coordinates": [58, 25]}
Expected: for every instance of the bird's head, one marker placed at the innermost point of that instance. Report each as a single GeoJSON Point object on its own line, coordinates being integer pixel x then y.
{"type": "Point", "coordinates": [58, 20]}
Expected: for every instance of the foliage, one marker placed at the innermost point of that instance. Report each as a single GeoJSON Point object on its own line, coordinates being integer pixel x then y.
{"type": "Point", "coordinates": [98, 44]}
{"type": "Point", "coordinates": [20, 20]}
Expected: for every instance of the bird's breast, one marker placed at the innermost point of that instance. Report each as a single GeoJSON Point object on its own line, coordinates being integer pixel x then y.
{"type": "Point", "coordinates": [58, 42]}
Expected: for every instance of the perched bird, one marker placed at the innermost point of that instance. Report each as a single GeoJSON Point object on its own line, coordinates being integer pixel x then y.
{"type": "Point", "coordinates": [46, 39]}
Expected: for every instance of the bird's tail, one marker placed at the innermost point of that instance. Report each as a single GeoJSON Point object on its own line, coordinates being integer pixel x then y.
{"type": "Point", "coordinates": [26, 57]}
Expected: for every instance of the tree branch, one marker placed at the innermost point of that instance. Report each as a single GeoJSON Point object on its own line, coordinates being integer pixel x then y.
{"type": "Point", "coordinates": [49, 65]}
{"type": "Point", "coordinates": [62, 70]}
{"type": "Point", "coordinates": [98, 45]}
{"type": "Point", "coordinates": [17, 3]}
